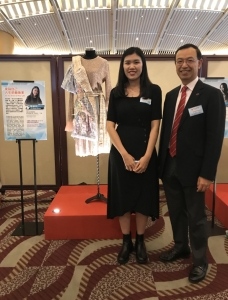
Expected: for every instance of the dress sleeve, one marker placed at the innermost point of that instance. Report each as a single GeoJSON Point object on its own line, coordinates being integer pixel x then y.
{"type": "Point", "coordinates": [108, 86]}
{"type": "Point", "coordinates": [69, 83]}
{"type": "Point", "coordinates": [156, 112]}
{"type": "Point", "coordinates": [111, 116]}
{"type": "Point", "coordinates": [70, 115]}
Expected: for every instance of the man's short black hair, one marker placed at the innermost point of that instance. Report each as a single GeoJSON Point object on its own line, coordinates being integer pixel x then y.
{"type": "Point", "coordinates": [186, 46]}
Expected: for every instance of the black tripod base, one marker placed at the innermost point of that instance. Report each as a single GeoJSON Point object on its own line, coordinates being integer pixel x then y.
{"type": "Point", "coordinates": [96, 197]}
{"type": "Point", "coordinates": [29, 229]}
{"type": "Point", "coordinates": [214, 230]}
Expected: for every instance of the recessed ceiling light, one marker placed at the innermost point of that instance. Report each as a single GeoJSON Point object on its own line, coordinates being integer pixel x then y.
{"type": "Point", "coordinates": [137, 39]}
{"type": "Point", "coordinates": [87, 18]}
{"type": "Point", "coordinates": [90, 41]}
{"type": "Point", "coordinates": [196, 18]}
{"type": "Point", "coordinates": [56, 210]}
{"type": "Point", "coordinates": [182, 41]}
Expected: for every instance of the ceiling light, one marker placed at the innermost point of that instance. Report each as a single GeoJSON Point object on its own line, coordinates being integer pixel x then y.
{"type": "Point", "coordinates": [213, 4]}
{"type": "Point", "coordinates": [206, 4]}
{"type": "Point", "coordinates": [221, 3]}
{"type": "Point", "coordinates": [182, 41]}
{"type": "Point", "coordinates": [56, 210]}
{"type": "Point", "coordinates": [33, 8]}
{"type": "Point", "coordinates": [137, 39]}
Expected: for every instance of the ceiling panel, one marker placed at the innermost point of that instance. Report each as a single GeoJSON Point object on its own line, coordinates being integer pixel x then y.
{"type": "Point", "coordinates": [41, 34]}
{"type": "Point", "coordinates": [88, 28]}
{"type": "Point", "coordinates": [187, 26]}
{"type": "Point", "coordinates": [4, 27]}
{"type": "Point", "coordinates": [110, 26]}
{"type": "Point", "coordinates": [140, 20]}
{"type": "Point", "coordinates": [192, 22]}
{"type": "Point", "coordinates": [138, 27]}
{"type": "Point", "coordinates": [21, 9]}
{"type": "Point", "coordinates": [17, 42]}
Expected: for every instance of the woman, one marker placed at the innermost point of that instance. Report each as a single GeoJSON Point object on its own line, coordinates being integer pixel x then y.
{"type": "Point", "coordinates": [34, 97]}
{"type": "Point", "coordinates": [133, 121]}
{"type": "Point", "coordinates": [224, 90]}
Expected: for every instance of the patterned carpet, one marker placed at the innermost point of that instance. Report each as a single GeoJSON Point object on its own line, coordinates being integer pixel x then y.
{"type": "Point", "coordinates": [28, 195]}
{"type": "Point", "coordinates": [34, 268]}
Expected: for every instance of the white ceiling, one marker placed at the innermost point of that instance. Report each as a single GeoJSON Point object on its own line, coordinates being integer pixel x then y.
{"type": "Point", "coordinates": [110, 26]}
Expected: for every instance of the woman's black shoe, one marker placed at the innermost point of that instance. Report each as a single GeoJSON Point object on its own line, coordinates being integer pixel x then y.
{"type": "Point", "coordinates": [140, 249]}
{"type": "Point", "coordinates": [127, 248]}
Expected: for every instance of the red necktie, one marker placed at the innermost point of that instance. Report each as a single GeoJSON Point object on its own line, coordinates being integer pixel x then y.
{"type": "Point", "coordinates": [180, 109]}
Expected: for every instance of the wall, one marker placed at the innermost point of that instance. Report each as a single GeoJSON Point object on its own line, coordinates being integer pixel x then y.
{"type": "Point", "coordinates": [9, 160]}
{"type": "Point", "coordinates": [220, 69]}
{"type": "Point", "coordinates": [79, 169]}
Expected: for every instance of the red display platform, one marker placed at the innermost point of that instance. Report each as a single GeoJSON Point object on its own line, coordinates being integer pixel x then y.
{"type": "Point", "coordinates": [221, 202]}
{"type": "Point", "coordinates": [79, 220]}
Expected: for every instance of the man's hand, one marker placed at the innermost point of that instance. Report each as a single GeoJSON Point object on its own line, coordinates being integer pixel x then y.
{"type": "Point", "coordinates": [203, 184]}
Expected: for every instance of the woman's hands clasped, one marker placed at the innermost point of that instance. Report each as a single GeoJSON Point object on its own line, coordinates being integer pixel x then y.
{"type": "Point", "coordinates": [135, 166]}
{"type": "Point", "coordinates": [141, 165]}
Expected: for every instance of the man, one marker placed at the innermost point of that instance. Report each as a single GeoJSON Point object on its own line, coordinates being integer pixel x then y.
{"type": "Point", "coordinates": [190, 147]}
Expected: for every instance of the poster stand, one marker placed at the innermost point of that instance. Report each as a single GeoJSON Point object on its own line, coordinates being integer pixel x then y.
{"type": "Point", "coordinates": [212, 229]}
{"type": "Point", "coordinates": [213, 205]}
{"type": "Point", "coordinates": [28, 228]}
{"type": "Point", "coordinates": [98, 196]}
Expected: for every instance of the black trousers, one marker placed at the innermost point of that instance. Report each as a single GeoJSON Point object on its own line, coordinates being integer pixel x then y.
{"type": "Point", "coordinates": [187, 214]}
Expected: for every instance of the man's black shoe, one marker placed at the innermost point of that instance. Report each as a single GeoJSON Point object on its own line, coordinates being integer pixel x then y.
{"type": "Point", "coordinates": [198, 273]}
{"type": "Point", "coordinates": [172, 255]}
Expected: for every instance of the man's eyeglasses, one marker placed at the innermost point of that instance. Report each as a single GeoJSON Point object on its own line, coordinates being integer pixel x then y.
{"type": "Point", "coordinates": [188, 61]}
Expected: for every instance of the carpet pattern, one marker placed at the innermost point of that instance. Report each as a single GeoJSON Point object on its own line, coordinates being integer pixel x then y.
{"type": "Point", "coordinates": [28, 195]}
{"type": "Point", "coordinates": [34, 268]}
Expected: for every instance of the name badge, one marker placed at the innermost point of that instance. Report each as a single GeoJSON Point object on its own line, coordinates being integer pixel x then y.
{"type": "Point", "coordinates": [197, 110]}
{"type": "Point", "coordinates": [147, 101]}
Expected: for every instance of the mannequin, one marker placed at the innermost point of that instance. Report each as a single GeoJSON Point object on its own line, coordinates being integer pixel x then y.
{"type": "Point", "coordinates": [90, 53]}
{"type": "Point", "coordinates": [88, 105]}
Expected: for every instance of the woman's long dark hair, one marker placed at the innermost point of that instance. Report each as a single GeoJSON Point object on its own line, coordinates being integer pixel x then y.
{"type": "Point", "coordinates": [38, 95]}
{"type": "Point", "coordinates": [145, 82]}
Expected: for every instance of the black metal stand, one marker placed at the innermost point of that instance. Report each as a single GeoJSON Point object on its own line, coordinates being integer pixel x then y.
{"type": "Point", "coordinates": [214, 230]}
{"type": "Point", "coordinates": [98, 196]}
{"type": "Point", "coordinates": [28, 228]}
{"type": "Point", "coordinates": [213, 205]}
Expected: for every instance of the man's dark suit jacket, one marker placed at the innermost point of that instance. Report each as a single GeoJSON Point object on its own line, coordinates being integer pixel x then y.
{"type": "Point", "coordinates": [199, 138]}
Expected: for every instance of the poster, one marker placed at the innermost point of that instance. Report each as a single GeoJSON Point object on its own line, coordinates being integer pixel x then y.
{"type": "Point", "coordinates": [221, 84]}
{"type": "Point", "coordinates": [24, 110]}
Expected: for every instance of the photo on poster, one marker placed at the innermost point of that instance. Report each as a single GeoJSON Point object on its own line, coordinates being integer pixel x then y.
{"type": "Point", "coordinates": [24, 110]}
{"type": "Point", "coordinates": [221, 84]}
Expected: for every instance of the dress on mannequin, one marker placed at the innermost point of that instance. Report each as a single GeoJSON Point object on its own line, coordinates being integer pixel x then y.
{"type": "Point", "coordinates": [87, 103]}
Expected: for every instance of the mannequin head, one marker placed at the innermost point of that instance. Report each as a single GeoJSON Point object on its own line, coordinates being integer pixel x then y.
{"type": "Point", "coordinates": [90, 53]}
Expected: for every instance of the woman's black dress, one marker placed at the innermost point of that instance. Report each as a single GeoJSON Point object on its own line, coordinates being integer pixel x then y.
{"type": "Point", "coordinates": [129, 191]}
